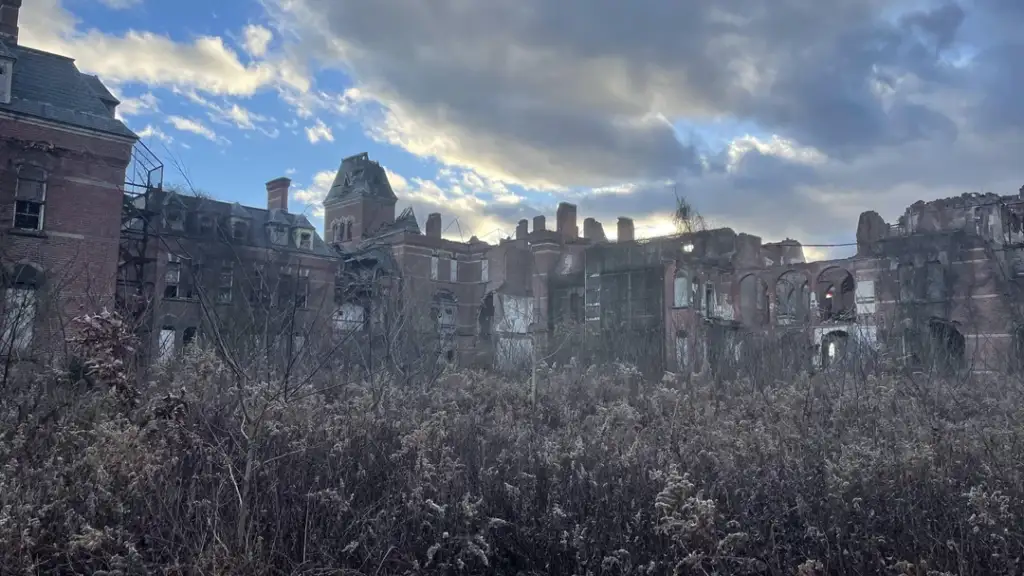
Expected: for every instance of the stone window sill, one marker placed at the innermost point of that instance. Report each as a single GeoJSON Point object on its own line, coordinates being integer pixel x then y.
{"type": "Point", "coordinates": [29, 233]}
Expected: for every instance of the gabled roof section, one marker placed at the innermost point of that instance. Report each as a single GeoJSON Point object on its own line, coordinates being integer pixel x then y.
{"type": "Point", "coordinates": [239, 211]}
{"type": "Point", "coordinates": [50, 87]}
{"type": "Point", "coordinates": [358, 176]}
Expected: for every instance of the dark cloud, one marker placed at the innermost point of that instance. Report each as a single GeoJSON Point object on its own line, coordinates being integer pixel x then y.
{"type": "Point", "coordinates": [584, 93]}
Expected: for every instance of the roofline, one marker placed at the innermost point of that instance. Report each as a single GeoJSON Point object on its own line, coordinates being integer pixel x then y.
{"type": "Point", "coordinates": [38, 51]}
{"type": "Point", "coordinates": [72, 128]}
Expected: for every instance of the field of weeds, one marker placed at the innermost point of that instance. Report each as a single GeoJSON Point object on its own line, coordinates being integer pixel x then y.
{"type": "Point", "coordinates": [606, 474]}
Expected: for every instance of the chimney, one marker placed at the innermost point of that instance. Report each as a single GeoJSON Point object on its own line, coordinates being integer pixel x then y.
{"type": "Point", "coordinates": [9, 21]}
{"type": "Point", "coordinates": [593, 230]}
{"type": "Point", "coordinates": [538, 224]}
{"type": "Point", "coordinates": [565, 220]}
{"type": "Point", "coordinates": [625, 230]}
{"type": "Point", "coordinates": [277, 192]}
{"type": "Point", "coordinates": [434, 225]}
{"type": "Point", "coordinates": [522, 229]}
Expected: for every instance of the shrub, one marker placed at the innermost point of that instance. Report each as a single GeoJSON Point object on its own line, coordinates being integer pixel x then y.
{"type": "Point", "coordinates": [606, 474]}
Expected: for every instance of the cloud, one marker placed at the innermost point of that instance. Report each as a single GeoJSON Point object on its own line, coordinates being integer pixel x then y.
{"type": "Point", "coordinates": [777, 119]}
{"type": "Point", "coordinates": [319, 132]}
{"type": "Point", "coordinates": [203, 63]}
{"type": "Point", "coordinates": [145, 103]}
{"type": "Point", "coordinates": [470, 204]}
{"type": "Point", "coordinates": [313, 194]}
{"type": "Point", "coordinates": [196, 127]}
{"type": "Point", "coordinates": [231, 114]}
{"type": "Point", "coordinates": [151, 131]}
{"type": "Point", "coordinates": [257, 39]}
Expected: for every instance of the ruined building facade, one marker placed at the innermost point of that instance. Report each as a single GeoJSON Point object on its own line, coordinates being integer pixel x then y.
{"type": "Point", "coordinates": [246, 278]}
{"type": "Point", "coordinates": [937, 289]}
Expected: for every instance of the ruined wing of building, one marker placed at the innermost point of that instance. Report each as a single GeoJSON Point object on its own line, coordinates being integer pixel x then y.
{"type": "Point", "coordinates": [938, 289]}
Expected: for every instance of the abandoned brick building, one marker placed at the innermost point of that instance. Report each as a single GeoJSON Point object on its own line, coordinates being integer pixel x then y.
{"type": "Point", "coordinates": [938, 288]}
{"type": "Point", "coordinates": [262, 278]}
{"type": "Point", "coordinates": [63, 157]}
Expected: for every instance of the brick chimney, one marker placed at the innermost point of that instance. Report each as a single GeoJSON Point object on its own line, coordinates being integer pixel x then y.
{"type": "Point", "coordinates": [277, 192]}
{"type": "Point", "coordinates": [625, 230]}
{"type": "Point", "coordinates": [9, 21]}
{"type": "Point", "coordinates": [538, 223]}
{"type": "Point", "coordinates": [565, 220]}
{"type": "Point", "coordinates": [522, 229]}
{"type": "Point", "coordinates": [593, 230]}
{"type": "Point", "coordinates": [434, 225]}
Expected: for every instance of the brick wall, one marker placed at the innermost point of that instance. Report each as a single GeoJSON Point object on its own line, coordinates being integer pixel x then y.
{"type": "Point", "coordinates": [78, 246]}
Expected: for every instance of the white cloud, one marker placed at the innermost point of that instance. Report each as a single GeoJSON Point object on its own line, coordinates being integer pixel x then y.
{"type": "Point", "coordinates": [778, 146]}
{"type": "Point", "coordinates": [196, 127]}
{"type": "Point", "coordinates": [319, 132]}
{"type": "Point", "coordinates": [256, 40]}
{"type": "Point", "coordinates": [145, 104]}
{"type": "Point", "coordinates": [203, 63]}
{"type": "Point", "coordinates": [231, 114]}
{"type": "Point", "coordinates": [314, 194]}
{"type": "Point", "coordinates": [151, 131]}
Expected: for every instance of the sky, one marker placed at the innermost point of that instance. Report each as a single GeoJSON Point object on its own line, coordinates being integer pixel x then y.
{"type": "Point", "coordinates": [780, 118]}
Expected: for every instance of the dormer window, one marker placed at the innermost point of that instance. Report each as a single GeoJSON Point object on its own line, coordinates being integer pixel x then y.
{"type": "Point", "coordinates": [205, 223]}
{"type": "Point", "coordinates": [175, 219]}
{"type": "Point", "coordinates": [278, 235]}
{"type": "Point", "coordinates": [239, 229]}
{"type": "Point", "coordinates": [304, 238]}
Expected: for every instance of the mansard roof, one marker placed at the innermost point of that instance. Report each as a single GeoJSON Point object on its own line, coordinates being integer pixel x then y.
{"type": "Point", "coordinates": [358, 176]}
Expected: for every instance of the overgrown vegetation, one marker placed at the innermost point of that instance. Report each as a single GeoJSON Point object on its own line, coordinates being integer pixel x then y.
{"type": "Point", "coordinates": [195, 473]}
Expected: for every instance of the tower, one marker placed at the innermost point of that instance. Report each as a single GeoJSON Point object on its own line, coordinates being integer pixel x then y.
{"type": "Point", "coordinates": [360, 201]}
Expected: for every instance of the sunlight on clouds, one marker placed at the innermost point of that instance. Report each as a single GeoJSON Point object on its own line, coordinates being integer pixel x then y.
{"type": "Point", "coordinates": [777, 146]}
{"type": "Point", "coordinates": [815, 254]}
{"type": "Point", "coordinates": [398, 127]}
{"type": "Point", "coordinates": [462, 199]}
{"type": "Point", "coordinates": [319, 132]}
{"type": "Point", "coordinates": [649, 226]}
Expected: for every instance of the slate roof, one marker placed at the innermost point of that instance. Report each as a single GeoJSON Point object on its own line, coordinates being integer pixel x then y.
{"type": "Point", "coordinates": [50, 87]}
{"type": "Point", "coordinates": [259, 235]}
{"type": "Point", "coordinates": [360, 176]}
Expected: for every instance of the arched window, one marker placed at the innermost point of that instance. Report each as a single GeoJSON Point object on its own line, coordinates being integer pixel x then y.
{"type": "Point", "coordinates": [30, 198]}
